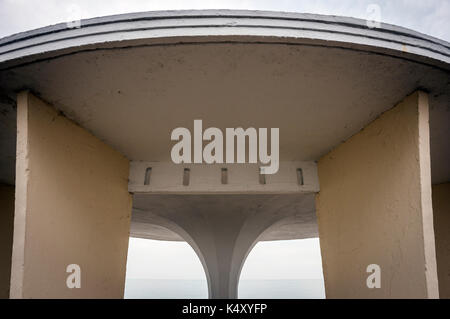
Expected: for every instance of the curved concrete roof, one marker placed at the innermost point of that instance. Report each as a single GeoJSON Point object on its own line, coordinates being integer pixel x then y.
{"type": "Point", "coordinates": [130, 79]}
{"type": "Point", "coordinates": [328, 30]}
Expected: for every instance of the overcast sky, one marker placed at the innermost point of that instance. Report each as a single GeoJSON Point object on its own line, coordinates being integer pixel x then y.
{"type": "Point", "coordinates": [427, 16]}
{"type": "Point", "coordinates": [275, 260]}
{"type": "Point", "coordinates": [284, 259]}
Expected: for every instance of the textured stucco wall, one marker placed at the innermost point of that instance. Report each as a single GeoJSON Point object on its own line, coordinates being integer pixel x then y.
{"type": "Point", "coordinates": [72, 207]}
{"type": "Point", "coordinates": [6, 237]}
{"type": "Point", "coordinates": [374, 207]}
{"type": "Point", "coordinates": [441, 211]}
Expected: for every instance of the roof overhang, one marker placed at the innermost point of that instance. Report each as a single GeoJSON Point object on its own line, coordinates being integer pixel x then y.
{"type": "Point", "coordinates": [130, 79]}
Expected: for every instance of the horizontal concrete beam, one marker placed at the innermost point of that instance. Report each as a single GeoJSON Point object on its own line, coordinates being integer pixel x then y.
{"type": "Point", "coordinates": [169, 178]}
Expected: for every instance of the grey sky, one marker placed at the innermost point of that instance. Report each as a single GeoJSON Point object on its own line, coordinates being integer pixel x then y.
{"type": "Point", "coordinates": [427, 16]}
{"type": "Point", "coordinates": [285, 259]}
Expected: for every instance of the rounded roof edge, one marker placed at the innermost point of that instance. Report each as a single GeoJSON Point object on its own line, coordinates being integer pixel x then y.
{"type": "Point", "coordinates": [324, 29]}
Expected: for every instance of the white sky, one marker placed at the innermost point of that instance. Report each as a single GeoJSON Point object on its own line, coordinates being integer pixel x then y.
{"type": "Point", "coordinates": [427, 16]}
{"type": "Point", "coordinates": [153, 259]}
{"type": "Point", "coordinates": [284, 259]}
{"type": "Point", "coordinates": [293, 259]}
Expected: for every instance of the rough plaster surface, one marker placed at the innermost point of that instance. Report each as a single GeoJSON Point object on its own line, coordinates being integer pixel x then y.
{"type": "Point", "coordinates": [441, 211]}
{"type": "Point", "coordinates": [6, 237]}
{"type": "Point", "coordinates": [374, 208]}
{"type": "Point", "coordinates": [72, 206]}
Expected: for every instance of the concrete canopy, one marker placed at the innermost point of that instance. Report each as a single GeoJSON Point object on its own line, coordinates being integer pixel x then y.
{"type": "Point", "coordinates": [130, 79]}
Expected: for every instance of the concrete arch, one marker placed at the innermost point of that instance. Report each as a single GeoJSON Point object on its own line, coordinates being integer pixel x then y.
{"type": "Point", "coordinates": [305, 223]}
{"type": "Point", "coordinates": [175, 228]}
{"type": "Point", "coordinates": [222, 229]}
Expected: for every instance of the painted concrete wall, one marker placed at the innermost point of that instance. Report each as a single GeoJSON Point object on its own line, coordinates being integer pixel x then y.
{"type": "Point", "coordinates": [6, 237]}
{"type": "Point", "coordinates": [72, 207]}
{"type": "Point", "coordinates": [441, 211]}
{"type": "Point", "coordinates": [374, 207]}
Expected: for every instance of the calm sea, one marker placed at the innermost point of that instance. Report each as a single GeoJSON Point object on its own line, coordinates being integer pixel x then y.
{"type": "Point", "coordinates": [193, 289]}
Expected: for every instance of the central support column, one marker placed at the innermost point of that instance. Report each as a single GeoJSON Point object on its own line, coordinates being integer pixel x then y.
{"type": "Point", "coordinates": [374, 207]}
{"type": "Point", "coordinates": [222, 209]}
{"type": "Point", "coordinates": [72, 207]}
{"type": "Point", "coordinates": [222, 229]}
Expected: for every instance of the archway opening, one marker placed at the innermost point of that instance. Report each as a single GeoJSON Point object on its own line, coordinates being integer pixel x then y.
{"type": "Point", "coordinates": [158, 269]}
{"type": "Point", "coordinates": [290, 269]}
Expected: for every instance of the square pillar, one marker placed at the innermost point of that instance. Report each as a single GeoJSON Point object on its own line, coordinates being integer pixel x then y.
{"type": "Point", "coordinates": [72, 207]}
{"type": "Point", "coordinates": [374, 207]}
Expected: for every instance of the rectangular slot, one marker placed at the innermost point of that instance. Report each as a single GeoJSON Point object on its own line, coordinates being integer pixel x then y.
{"type": "Point", "coordinates": [224, 177]}
{"type": "Point", "coordinates": [186, 176]}
{"type": "Point", "coordinates": [148, 172]}
{"type": "Point", "coordinates": [300, 176]}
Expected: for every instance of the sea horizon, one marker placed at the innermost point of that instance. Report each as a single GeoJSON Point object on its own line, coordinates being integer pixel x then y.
{"type": "Point", "coordinates": [144, 288]}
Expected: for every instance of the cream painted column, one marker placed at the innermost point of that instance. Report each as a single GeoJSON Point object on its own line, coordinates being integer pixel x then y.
{"type": "Point", "coordinates": [6, 237]}
{"type": "Point", "coordinates": [72, 207]}
{"type": "Point", "coordinates": [441, 210]}
{"type": "Point", "coordinates": [374, 207]}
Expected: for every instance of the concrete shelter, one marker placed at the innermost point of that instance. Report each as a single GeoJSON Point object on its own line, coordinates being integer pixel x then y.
{"type": "Point", "coordinates": [85, 121]}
